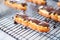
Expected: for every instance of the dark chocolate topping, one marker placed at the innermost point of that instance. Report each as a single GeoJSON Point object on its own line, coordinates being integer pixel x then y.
{"type": "Point", "coordinates": [44, 24]}
{"type": "Point", "coordinates": [5, 0]}
{"type": "Point", "coordinates": [14, 1]}
{"type": "Point", "coordinates": [52, 10]}
{"type": "Point", "coordinates": [24, 4]}
{"type": "Point", "coordinates": [22, 15]}
{"type": "Point", "coordinates": [33, 20]}
{"type": "Point", "coordinates": [56, 12]}
{"type": "Point", "coordinates": [38, 22]}
{"type": "Point", "coordinates": [48, 8]}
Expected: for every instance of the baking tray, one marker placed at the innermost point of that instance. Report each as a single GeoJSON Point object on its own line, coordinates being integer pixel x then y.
{"type": "Point", "coordinates": [7, 25]}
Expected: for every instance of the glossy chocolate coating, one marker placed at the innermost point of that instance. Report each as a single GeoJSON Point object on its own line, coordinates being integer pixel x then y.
{"type": "Point", "coordinates": [45, 24]}
{"type": "Point", "coordinates": [24, 4]}
{"type": "Point", "coordinates": [52, 10]}
{"type": "Point", "coordinates": [21, 15]}
{"type": "Point", "coordinates": [56, 12]}
{"type": "Point", "coordinates": [5, 0]}
{"type": "Point", "coordinates": [48, 8]}
{"type": "Point", "coordinates": [14, 1]}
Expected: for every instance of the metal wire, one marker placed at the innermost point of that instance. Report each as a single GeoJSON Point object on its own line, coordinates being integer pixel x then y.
{"type": "Point", "coordinates": [15, 31]}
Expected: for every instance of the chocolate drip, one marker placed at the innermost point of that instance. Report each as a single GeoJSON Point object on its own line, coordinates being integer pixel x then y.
{"type": "Point", "coordinates": [35, 21]}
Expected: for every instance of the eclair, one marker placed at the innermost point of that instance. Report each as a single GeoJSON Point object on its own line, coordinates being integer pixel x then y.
{"type": "Point", "coordinates": [15, 4]}
{"type": "Point", "coordinates": [38, 2]}
{"type": "Point", "coordinates": [44, 10]}
{"type": "Point", "coordinates": [49, 12]}
{"type": "Point", "coordinates": [31, 23]}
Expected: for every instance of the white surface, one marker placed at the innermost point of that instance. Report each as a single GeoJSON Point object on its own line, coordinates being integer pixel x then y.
{"type": "Point", "coordinates": [4, 36]}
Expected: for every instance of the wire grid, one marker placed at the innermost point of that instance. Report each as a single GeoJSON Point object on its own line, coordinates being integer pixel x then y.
{"type": "Point", "coordinates": [15, 31]}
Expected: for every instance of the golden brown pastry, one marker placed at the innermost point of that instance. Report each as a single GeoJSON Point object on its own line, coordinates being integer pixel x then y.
{"type": "Point", "coordinates": [59, 18]}
{"type": "Point", "coordinates": [58, 3]}
{"type": "Point", "coordinates": [54, 17]}
{"type": "Point", "coordinates": [50, 12]}
{"type": "Point", "coordinates": [15, 5]}
{"type": "Point", "coordinates": [32, 23]}
{"type": "Point", "coordinates": [44, 13]}
{"type": "Point", "coordinates": [44, 10]}
{"type": "Point", "coordinates": [39, 2]}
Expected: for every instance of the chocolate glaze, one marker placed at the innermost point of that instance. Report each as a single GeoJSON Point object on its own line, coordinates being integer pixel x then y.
{"type": "Point", "coordinates": [45, 24]}
{"type": "Point", "coordinates": [5, 0]}
{"type": "Point", "coordinates": [48, 8]}
{"type": "Point", "coordinates": [52, 10]}
{"type": "Point", "coordinates": [56, 12]}
{"type": "Point", "coordinates": [24, 4]}
{"type": "Point", "coordinates": [33, 20]}
{"type": "Point", "coordinates": [14, 1]}
{"type": "Point", "coordinates": [22, 15]}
